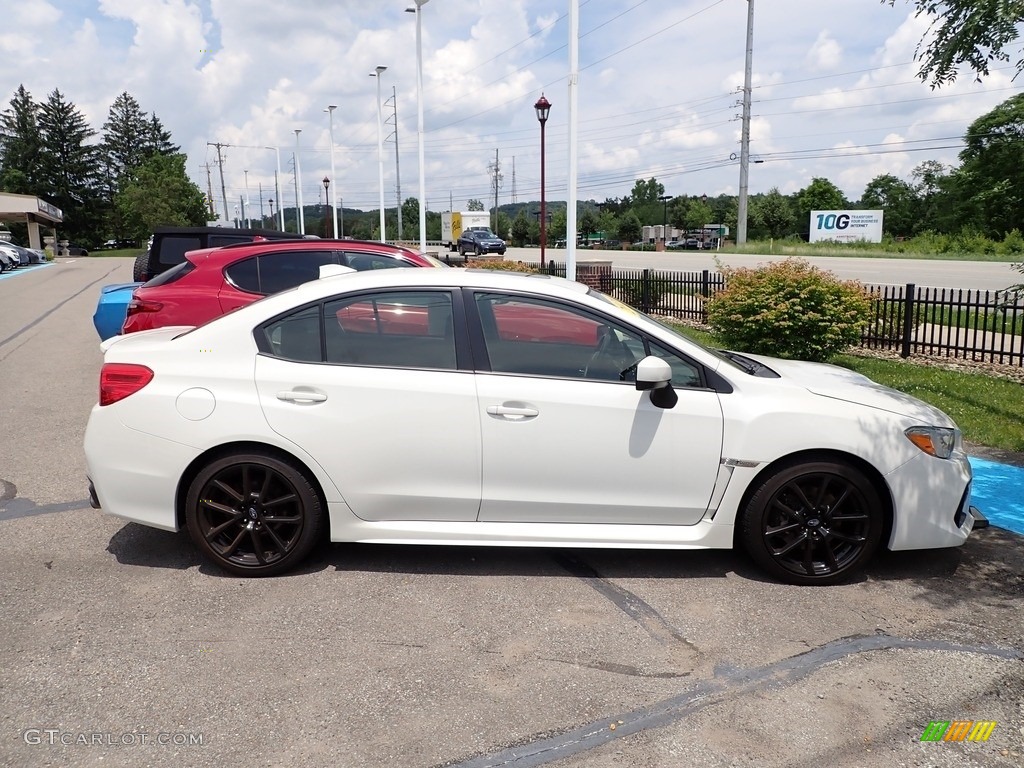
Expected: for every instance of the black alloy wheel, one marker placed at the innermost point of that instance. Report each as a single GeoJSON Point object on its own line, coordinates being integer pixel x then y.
{"type": "Point", "coordinates": [253, 514]}
{"type": "Point", "coordinates": [813, 523]}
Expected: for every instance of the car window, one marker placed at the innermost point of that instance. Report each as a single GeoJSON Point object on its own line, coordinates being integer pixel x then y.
{"type": "Point", "coordinates": [684, 373]}
{"type": "Point", "coordinates": [405, 329]}
{"type": "Point", "coordinates": [172, 249]}
{"type": "Point", "coordinates": [275, 272]}
{"type": "Point", "coordinates": [296, 337]}
{"type": "Point", "coordinates": [361, 262]}
{"type": "Point", "coordinates": [544, 338]}
{"type": "Point", "coordinates": [173, 274]}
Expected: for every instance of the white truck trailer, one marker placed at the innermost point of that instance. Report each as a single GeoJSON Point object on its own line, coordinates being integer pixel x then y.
{"type": "Point", "coordinates": [454, 223]}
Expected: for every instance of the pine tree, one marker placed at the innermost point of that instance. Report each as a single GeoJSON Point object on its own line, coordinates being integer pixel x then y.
{"type": "Point", "coordinates": [20, 145]}
{"type": "Point", "coordinates": [69, 167]}
{"type": "Point", "coordinates": [158, 139]}
{"type": "Point", "coordinates": [125, 136]}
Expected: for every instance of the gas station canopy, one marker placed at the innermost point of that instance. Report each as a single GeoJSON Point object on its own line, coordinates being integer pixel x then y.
{"type": "Point", "coordinates": [29, 209]}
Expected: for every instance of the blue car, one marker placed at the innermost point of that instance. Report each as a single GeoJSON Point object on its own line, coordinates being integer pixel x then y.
{"type": "Point", "coordinates": [112, 308]}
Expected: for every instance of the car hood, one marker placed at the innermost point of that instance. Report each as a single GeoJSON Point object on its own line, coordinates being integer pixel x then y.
{"type": "Point", "coordinates": [142, 340]}
{"type": "Point", "coordinates": [843, 384]}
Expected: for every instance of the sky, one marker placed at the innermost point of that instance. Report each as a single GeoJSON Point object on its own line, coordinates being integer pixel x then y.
{"type": "Point", "coordinates": [835, 92]}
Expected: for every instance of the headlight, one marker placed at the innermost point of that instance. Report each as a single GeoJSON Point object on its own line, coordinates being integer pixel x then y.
{"type": "Point", "coordinates": [935, 441]}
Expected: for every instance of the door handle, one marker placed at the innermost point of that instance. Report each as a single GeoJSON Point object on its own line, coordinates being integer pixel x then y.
{"type": "Point", "coordinates": [298, 396]}
{"type": "Point", "coordinates": [513, 412]}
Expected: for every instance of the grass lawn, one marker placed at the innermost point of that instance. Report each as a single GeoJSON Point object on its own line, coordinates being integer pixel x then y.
{"type": "Point", "coordinates": [132, 252]}
{"type": "Point", "coordinates": [986, 408]}
{"type": "Point", "coordinates": [865, 251]}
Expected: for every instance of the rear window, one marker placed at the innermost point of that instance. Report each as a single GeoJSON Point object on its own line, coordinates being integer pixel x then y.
{"type": "Point", "coordinates": [173, 249]}
{"type": "Point", "coordinates": [173, 274]}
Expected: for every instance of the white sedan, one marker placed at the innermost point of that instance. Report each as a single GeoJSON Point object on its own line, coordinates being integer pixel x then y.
{"type": "Point", "coordinates": [481, 408]}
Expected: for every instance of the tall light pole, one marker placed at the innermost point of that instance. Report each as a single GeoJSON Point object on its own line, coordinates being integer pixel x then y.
{"type": "Point", "coordinates": [741, 212]}
{"type": "Point", "coordinates": [664, 218]}
{"type": "Point", "coordinates": [543, 107]}
{"type": "Point", "coordinates": [334, 208]}
{"type": "Point", "coordinates": [298, 185]}
{"type": "Point", "coordinates": [398, 175]}
{"type": "Point", "coordinates": [327, 186]}
{"type": "Point", "coordinates": [380, 150]}
{"type": "Point", "coordinates": [277, 189]}
{"type": "Point", "coordinates": [418, 10]}
{"type": "Point", "coordinates": [245, 205]}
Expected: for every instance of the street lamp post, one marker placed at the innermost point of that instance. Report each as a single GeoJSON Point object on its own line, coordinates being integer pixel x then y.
{"type": "Point", "coordinates": [272, 219]}
{"type": "Point", "coordinates": [277, 187]}
{"type": "Point", "coordinates": [664, 219]}
{"type": "Point", "coordinates": [245, 205]}
{"type": "Point", "coordinates": [380, 150]}
{"type": "Point", "coordinates": [334, 208]}
{"type": "Point", "coordinates": [327, 186]}
{"type": "Point", "coordinates": [418, 10]}
{"type": "Point", "coordinates": [298, 185]}
{"type": "Point", "coordinates": [543, 107]}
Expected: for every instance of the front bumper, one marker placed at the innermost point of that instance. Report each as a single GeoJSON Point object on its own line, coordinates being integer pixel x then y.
{"type": "Point", "coordinates": [931, 502]}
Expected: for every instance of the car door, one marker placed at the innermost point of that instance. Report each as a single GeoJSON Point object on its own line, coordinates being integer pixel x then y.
{"type": "Point", "coordinates": [371, 387]}
{"type": "Point", "coordinates": [567, 438]}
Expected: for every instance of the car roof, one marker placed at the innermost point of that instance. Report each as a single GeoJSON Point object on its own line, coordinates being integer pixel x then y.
{"type": "Point", "coordinates": [228, 254]}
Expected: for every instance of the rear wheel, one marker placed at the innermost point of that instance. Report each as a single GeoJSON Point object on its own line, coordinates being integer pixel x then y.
{"type": "Point", "coordinates": [813, 523]}
{"type": "Point", "coordinates": [253, 514]}
{"type": "Point", "coordinates": [139, 268]}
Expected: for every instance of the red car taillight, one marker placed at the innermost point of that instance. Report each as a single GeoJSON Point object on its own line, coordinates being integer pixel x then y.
{"type": "Point", "coordinates": [142, 305]}
{"type": "Point", "coordinates": [118, 380]}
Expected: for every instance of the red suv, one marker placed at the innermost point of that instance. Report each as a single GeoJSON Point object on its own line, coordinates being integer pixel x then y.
{"type": "Point", "coordinates": [213, 281]}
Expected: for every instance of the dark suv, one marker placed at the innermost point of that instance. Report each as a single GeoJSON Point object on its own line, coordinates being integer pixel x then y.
{"type": "Point", "coordinates": [480, 241]}
{"type": "Point", "coordinates": [168, 245]}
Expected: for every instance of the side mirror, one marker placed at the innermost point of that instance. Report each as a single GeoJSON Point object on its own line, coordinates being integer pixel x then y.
{"type": "Point", "coordinates": [655, 374]}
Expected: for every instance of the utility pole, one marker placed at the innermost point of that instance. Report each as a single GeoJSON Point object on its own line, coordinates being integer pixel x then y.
{"type": "Point", "coordinates": [209, 193]}
{"type": "Point", "coordinates": [223, 189]}
{"type": "Point", "coordinates": [295, 176]}
{"type": "Point", "coordinates": [741, 213]}
{"type": "Point", "coordinates": [398, 176]}
{"type": "Point", "coordinates": [514, 200]}
{"type": "Point", "coordinates": [495, 169]}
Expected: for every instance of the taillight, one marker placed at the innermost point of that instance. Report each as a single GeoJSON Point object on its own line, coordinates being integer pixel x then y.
{"type": "Point", "coordinates": [143, 305]}
{"type": "Point", "coordinates": [118, 380]}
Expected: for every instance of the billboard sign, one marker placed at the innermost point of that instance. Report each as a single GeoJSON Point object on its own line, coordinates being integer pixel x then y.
{"type": "Point", "coordinates": [846, 226]}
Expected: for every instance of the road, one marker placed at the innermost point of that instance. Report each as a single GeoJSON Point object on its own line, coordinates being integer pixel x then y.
{"type": "Point", "coordinates": [979, 275]}
{"type": "Point", "coordinates": [120, 647]}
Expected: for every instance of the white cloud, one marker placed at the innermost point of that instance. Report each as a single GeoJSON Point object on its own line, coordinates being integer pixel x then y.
{"type": "Point", "coordinates": [826, 53]}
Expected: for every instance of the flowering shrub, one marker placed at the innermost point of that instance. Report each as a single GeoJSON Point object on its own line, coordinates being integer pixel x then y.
{"type": "Point", "coordinates": [506, 266]}
{"type": "Point", "coordinates": [788, 309]}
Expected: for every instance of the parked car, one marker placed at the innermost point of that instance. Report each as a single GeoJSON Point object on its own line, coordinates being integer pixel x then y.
{"type": "Point", "coordinates": [409, 405]}
{"type": "Point", "coordinates": [9, 258]}
{"type": "Point", "coordinates": [480, 241]}
{"type": "Point", "coordinates": [73, 249]}
{"type": "Point", "coordinates": [118, 244]}
{"type": "Point", "coordinates": [675, 245]}
{"type": "Point", "coordinates": [213, 281]}
{"type": "Point", "coordinates": [168, 245]}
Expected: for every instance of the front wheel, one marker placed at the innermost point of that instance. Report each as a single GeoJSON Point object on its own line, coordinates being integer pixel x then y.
{"type": "Point", "coordinates": [813, 523]}
{"type": "Point", "coordinates": [253, 514]}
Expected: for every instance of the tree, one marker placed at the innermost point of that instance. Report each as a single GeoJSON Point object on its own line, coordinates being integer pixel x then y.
{"type": "Point", "coordinates": [474, 205]}
{"type": "Point", "coordinates": [698, 213]}
{"type": "Point", "coordinates": [990, 179]}
{"type": "Point", "coordinates": [68, 167]}
{"type": "Point", "coordinates": [937, 199]}
{"type": "Point", "coordinates": [556, 227]}
{"type": "Point", "coordinates": [897, 198]}
{"type": "Point", "coordinates": [160, 193]}
{"type": "Point", "coordinates": [629, 228]}
{"type": "Point", "coordinates": [411, 214]}
{"type": "Point", "coordinates": [520, 229]}
{"type": "Point", "coordinates": [158, 139]}
{"type": "Point", "coordinates": [20, 145]}
{"type": "Point", "coordinates": [502, 224]}
{"type": "Point", "coordinates": [125, 137]}
{"type": "Point", "coordinates": [586, 224]}
{"type": "Point", "coordinates": [773, 213]}
{"type": "Point", "coordinates": [820, 195]}
{"type": "Point", "coordinates": [971, 32]}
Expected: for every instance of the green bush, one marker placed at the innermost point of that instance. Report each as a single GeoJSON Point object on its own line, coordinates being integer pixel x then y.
{"type": "Point", "coordinates": [631, 290]}
{"type": "Point", "coordinates": [789, 309]}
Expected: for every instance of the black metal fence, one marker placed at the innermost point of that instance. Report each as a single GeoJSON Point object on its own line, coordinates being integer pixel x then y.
{"type": "Point", "coordinates": [981, 326]}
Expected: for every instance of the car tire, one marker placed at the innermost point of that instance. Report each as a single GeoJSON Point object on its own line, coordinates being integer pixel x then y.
{"type": "Point", "coordinates": [140, 268]}
{"type": "Point", "coordinates": [813, 522]}
{"type": "Point", "coordinates": [479, 251]}
{"type": "Point", "coordinates": [254, 514]}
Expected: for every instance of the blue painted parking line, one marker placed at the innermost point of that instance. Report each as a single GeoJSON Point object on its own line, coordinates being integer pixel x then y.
{"type": "Point", "coordinates": [998, 491]}
{"type": "Point", "coordinates": [23, 270]}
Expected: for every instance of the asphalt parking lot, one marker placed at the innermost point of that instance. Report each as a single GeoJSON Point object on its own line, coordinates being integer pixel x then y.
{"type": "Point", "coordinates": [121, 648]}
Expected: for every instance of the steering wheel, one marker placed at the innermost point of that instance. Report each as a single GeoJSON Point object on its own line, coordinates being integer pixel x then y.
{"type": "Point", "coordinates": [610, 351]}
